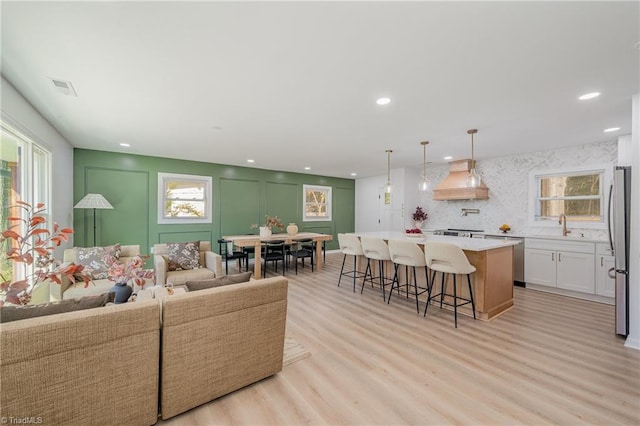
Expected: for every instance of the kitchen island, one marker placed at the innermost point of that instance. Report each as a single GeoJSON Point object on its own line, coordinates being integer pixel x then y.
{"type": "Point", "coordinates": [493, 279]}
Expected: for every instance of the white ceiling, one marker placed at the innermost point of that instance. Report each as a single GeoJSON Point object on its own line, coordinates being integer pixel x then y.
{"type": "Point", "coordinates": [294, 84]}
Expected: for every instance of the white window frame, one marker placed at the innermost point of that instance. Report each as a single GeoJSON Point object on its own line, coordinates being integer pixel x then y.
{"type": "Point", "coordinates": [329, 195]}
{"type": "Point", "coordinates": [604, 170]}
{"type": "Point", "coordinates": [31, 177]}
{"type": "Point", "coordinates": [164, 179]}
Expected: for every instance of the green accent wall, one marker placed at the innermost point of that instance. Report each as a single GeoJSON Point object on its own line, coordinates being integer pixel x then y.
{"type": "Point", "coordinates": [242, 196]}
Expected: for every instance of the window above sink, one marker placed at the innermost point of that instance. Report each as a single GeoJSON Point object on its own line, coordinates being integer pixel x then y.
{"type": "Point", "coordinates": [579, 193]}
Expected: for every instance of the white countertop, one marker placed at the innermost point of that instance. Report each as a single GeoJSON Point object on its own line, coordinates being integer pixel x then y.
{"type": "Point", "coordinates": [548, 237]}
{"type": "Point", "coordinates": [465, 243]}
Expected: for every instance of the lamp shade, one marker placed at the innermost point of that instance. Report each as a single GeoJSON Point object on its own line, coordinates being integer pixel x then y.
{"type": "Point", "coordinates": [93, 201]}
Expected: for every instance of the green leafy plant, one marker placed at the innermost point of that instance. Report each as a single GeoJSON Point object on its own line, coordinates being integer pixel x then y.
{"type": "Point", "coordinates": [30, 243]}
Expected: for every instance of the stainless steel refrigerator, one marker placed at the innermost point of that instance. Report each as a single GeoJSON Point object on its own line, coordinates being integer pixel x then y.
{"type": "Point", "coordinates": [619, 224]}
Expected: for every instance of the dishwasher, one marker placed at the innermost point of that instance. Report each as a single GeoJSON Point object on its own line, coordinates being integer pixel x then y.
{"type": "Point", "coordinates": [518, 258]}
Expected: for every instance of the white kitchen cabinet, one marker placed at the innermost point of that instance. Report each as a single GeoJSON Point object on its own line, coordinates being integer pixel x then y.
{"type": "Point", "coordinates": [605, 284]}
{"type": "Point", "coordinates": [540, 267]}
{"type": "Point", "coordinates": [567, 265]}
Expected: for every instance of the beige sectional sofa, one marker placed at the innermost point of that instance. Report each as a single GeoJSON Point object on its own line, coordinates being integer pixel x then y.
{"type": "Point", "coordinates": [218, 340]}
{"type": "Point", "coordinates": [106, 365]}
{"type": "Point", "coordinates": [97, 366]}
{"type": "Point", "coordinates": [69, 290]}
{"type": "Point", "coordinates": [210, 266]}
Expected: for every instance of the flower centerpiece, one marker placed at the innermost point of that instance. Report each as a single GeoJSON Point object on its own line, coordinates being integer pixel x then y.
{"type": "Point", "coordinates": [418, 217]}
{"type": "Point", "coordinates": [122, 274]}
{"type": "Point", "coordinates": [133, 271]}
{"type": "Point", "coordinates": [269, 224]}
{"type": "Point", "coordinates": [31, 244]}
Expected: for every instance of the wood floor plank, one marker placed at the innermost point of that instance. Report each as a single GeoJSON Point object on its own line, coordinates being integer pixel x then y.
{"type": "Point", "coordinates": [549, 360]}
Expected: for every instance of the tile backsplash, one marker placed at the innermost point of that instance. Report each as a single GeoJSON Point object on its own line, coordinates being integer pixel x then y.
{"type": "Point", "coordinates": [508, 182]}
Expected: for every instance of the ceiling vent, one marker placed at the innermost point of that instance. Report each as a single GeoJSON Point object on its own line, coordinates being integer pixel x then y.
{"type": "Point", "coordinates": [64, 87]}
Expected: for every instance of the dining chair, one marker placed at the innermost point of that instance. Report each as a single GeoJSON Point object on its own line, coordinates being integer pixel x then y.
{"type": "Point", "coordinates": [228, 253]}
{"type": "Point", "coordinates": [312, 246]}
{"type": "Point", "coordinates": [448, 259]}
{"type": "Point", "coordinates": [274, 251]}
{"type": "Point", "coordinates": [300, 250]}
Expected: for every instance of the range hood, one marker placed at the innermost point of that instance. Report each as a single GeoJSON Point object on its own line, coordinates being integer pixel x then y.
{"type": "Point", "coordinates": [454, 186]}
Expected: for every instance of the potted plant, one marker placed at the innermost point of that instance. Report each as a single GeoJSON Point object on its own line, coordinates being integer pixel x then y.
{"type": "Point", "coordinates": [31, 244]}
{"type": "Point", "coordinates": [419, 216]}
{"type": "Point", "coordinates": [269, 224]}
{"type": "Point", "coordinates": [133, 272]}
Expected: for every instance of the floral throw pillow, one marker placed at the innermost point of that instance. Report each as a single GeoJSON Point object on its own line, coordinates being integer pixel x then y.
{"type": "Point", "coordinates": [96, 260]}
{"type": "Point", "coordinates": [183, 255]}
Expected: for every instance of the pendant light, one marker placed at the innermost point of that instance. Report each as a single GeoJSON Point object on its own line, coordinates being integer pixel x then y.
{"type": "Point", "coordinates": [424, 183]}
{"type": "Point", "coordinates": [388, 188]}
{"type": "Point", "coordinates": [473, 179]}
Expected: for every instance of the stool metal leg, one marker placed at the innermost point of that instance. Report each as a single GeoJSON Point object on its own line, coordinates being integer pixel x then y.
{"type": "Point", "coordinates": [342, 269]}
{"type": "Point", "coordinates": [442, 289]}
{"type": "Point", "coordinates": [382, 278]}
{"type": "Point", "coordinates": [395, 279]}
{"type": "Point", "coordinates": [473, 305]}
{"type": "Point", "coordinates": [455, 301]}
{"type": "Point", "coordinates": [415, 288]}
{"type": "Point", "coordinates": [367, 271]}
{"type": "Point", "coordinates": [355, 260]}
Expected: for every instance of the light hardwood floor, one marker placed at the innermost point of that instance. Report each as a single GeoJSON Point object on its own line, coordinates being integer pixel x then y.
{"type": "Point", "coordinates": [549, 360]}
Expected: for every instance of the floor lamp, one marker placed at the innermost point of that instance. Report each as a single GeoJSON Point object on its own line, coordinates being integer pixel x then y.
{"type": "Point", "coordinates": [93, 201]}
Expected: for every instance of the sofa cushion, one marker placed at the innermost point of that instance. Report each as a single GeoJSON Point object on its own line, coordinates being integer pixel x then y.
{"type": "Point", "coordinates": [219, 282]}
{"type": "Point", "coordinates": [181, 277]}
{"type": "Point", "coordinates": [183, 256]}
{"type": "Point", "coordinates": [15, 313]}
{"type": "Point", "coordinates": [96, 260]}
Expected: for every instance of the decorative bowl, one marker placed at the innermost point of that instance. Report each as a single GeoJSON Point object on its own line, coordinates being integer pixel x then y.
{"type": "Point", "coordinates": [414, 235]}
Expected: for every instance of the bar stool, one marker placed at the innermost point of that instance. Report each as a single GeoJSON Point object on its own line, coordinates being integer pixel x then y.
{"type": "Point", "coordinates": [408, 254]}
{"type": "Point", "coordinates": [350, 246]}
{"type": "Point", "coordinates": [448, 259]}
{"type": "Point", "coordinates": [376, 249]}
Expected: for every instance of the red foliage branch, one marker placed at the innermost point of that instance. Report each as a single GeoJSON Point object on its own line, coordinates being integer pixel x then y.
{"type": "Point", "coordinates": [30, 242]}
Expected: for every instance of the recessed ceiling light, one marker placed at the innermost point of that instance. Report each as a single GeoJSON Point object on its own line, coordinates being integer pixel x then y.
{"type": "Point", "coordinates": [125, 144]}
{"type": "Point", "coordinates": [589, 96]}
{"type": "Point", "coordinates": [251, 161]}
{"type": "Point", "coordinates": [354, 174]}
{"type": "Point", "coordinates": [307, 168]}
{"type": "Point", "coordinates": [612, 129]}
{"type": "Point", "coordinates": [383, 101]}
{"type": "Point", "coordinates": [448, 157]}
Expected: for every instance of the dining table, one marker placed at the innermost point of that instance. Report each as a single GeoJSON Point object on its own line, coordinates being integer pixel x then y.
{"type": "Point", "coordinates": [256, 241]}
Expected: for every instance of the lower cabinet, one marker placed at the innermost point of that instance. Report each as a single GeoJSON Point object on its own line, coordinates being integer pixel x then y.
{"type": "Point", "coordinates": [571, 268]}
{"type": "Point", "coordinates": [605, 284]}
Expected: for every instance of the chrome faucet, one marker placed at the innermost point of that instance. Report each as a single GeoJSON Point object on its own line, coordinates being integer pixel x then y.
{"type": "Point", "coordinates": [562, 219]}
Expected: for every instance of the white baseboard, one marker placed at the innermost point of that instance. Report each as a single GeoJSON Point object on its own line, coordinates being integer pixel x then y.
{"type": "Point", "coordinates": [575, 294]}
{"type": "Point", "coordinates": [632, 343]}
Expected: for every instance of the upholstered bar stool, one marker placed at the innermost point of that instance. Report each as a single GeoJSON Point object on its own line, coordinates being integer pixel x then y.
{"type": "Point", "coordinates": [376, 249]}
{"type": "Point", "coordinates": [409, 254]}
{"type": "Point", "coordinates": [350, 246]}
{"type": "Point", "coordinates": [448, 259]}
